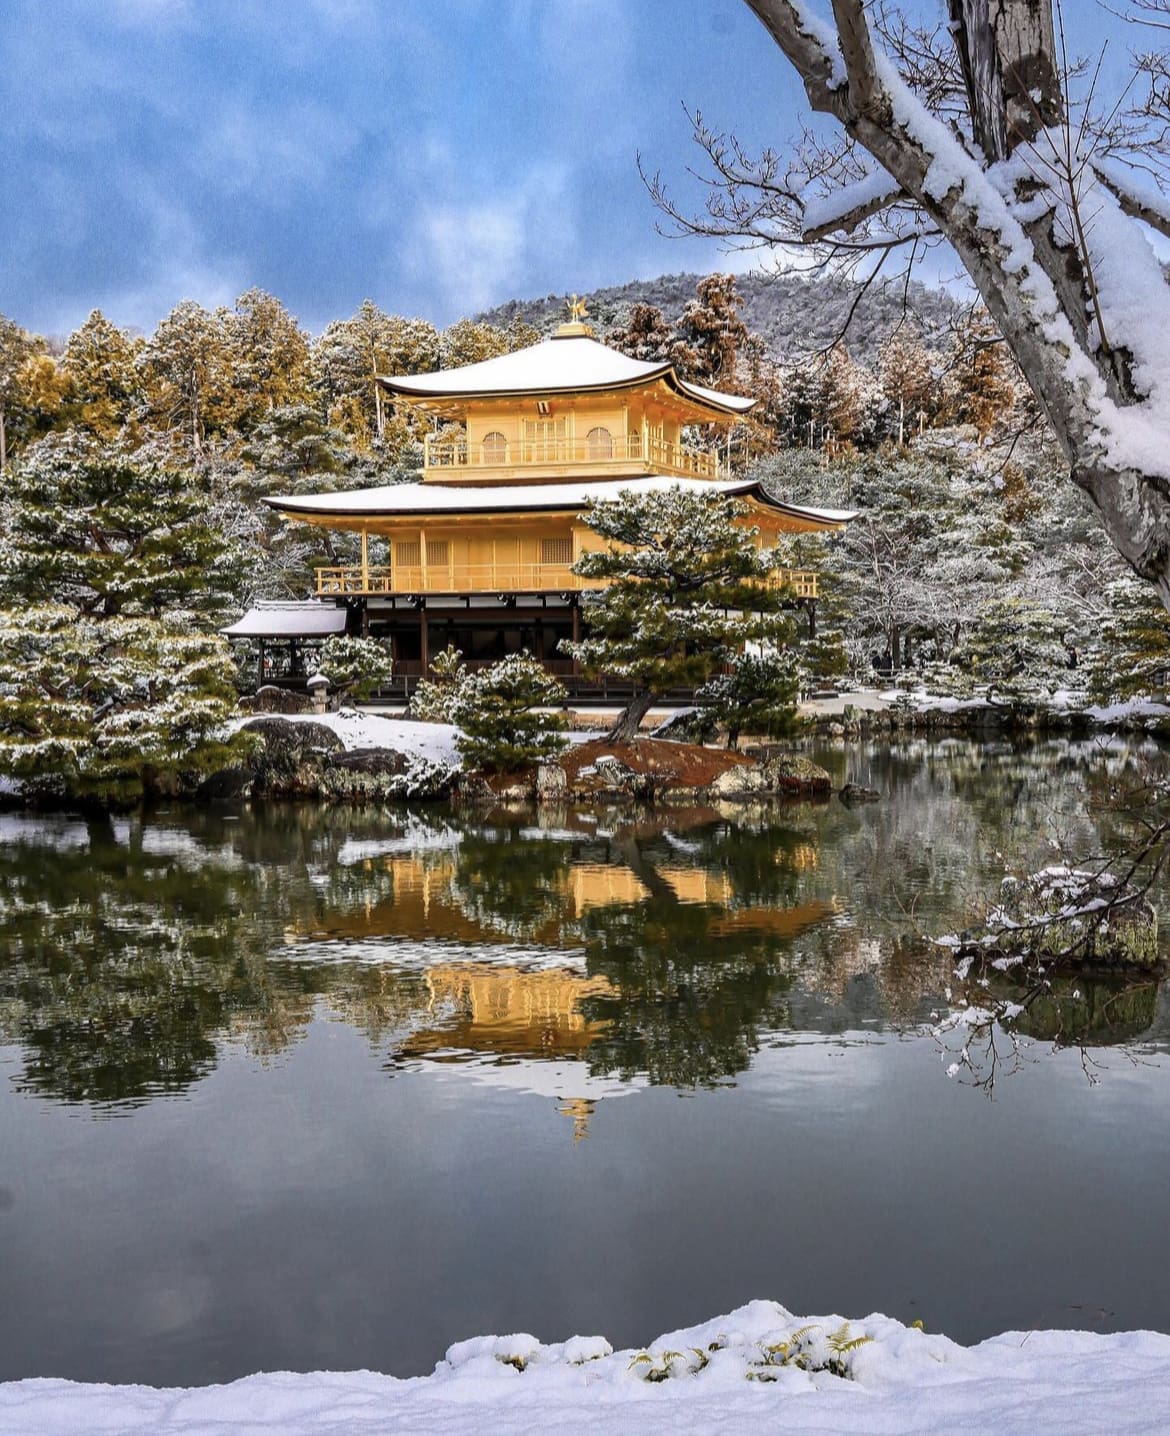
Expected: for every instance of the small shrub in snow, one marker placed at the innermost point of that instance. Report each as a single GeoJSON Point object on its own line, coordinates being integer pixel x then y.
{"type": "Point", "coordinates": [498, 712]}
{"type": "Point", "coordinates": [757, 694]}
{"type": "Point", "coordinates": [356, 667]}
{"type": "Point", "coordinates": [807, 1348]}
{"type": "Point", "coordinates": [435, 697]}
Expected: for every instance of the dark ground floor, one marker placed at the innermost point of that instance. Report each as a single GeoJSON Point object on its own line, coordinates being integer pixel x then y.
{"type": "Point", "coordinates": [483, 628]}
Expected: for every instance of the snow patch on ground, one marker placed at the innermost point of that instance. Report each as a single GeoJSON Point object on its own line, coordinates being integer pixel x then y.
{"type": "Point", "coordinates": [723, 1375]}
{"type": "Point", "coordinates": [433, 742]}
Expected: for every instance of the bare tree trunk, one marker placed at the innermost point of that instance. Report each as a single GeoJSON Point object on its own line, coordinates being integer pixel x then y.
{"type": "Point", "coordinates": [3, 439]}
{"type": "Point", "coordinates": [625, 730]}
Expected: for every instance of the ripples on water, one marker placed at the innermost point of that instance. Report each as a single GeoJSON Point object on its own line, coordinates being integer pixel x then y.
{"type": "Point", "coordinates": [392, 1077]}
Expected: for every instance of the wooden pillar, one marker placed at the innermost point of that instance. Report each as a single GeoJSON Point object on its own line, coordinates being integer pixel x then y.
{"type": "Point", "coordinates": [422, 636]}
{"type": "Point", "coordinates": [811, 605]}
{"type": "Point", "coordinates": [365, 560]}
{"type": "Point", "coordinates": [260, 666]}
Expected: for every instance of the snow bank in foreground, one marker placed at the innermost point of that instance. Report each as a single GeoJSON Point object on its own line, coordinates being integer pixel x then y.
{"type": "Point", "coordinates": [726, 1375]}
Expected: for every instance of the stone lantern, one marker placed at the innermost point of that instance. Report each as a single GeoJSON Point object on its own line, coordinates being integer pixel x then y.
{"type": "Point", "coordinates": [318, 687]}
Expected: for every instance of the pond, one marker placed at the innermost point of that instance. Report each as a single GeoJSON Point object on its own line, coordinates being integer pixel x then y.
{"type": "Point", "coordinates": [297, 1088]}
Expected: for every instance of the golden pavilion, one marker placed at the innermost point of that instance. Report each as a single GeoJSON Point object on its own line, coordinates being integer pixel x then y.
{"type": "Point", "coordinates": [479, 553]}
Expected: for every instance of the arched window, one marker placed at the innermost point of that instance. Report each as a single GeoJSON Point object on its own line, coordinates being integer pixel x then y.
{"type": "Point", "coordinates": [495, 448]}
{"type": "Point", "coordinates": [599, 443]}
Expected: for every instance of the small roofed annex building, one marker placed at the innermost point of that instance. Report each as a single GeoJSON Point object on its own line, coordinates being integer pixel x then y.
{"type": "Point", "coordinates": [479, 553]}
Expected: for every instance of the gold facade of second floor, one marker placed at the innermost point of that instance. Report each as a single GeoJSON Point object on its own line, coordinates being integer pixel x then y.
{"type": "Point", "coordinates": [535, 441]}
{"type": "Point", "coordinates": [483, 558]}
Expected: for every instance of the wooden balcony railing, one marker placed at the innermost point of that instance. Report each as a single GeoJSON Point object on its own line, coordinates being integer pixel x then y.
{"type": "Point", "coordinates": [650, 456]}
{"type": "Point", "coordinates": [355, 581]}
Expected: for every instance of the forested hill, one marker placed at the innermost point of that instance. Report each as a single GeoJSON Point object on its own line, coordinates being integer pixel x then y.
{"type": "Point", "coordinates": [794, 313]}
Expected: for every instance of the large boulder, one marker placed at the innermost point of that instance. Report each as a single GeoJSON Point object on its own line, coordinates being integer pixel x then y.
{"type": "Point", "coordinates": [291, 756]}
{"type": "Point", "coordinates": [381, 762]}
{"type": "Point", "coordinates": [853, 793]}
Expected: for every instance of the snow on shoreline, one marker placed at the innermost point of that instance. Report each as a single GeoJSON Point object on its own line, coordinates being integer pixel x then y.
{"type": "Point", "coordinates": [725, 1375]}
{"type": "Point", "coordinates": [428, 742]}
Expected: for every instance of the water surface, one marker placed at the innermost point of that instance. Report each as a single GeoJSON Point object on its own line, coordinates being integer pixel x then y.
{"type": "Point", "coordinates": [303, 1088]}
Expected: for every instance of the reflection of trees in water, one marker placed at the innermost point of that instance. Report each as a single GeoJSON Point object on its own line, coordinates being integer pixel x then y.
{"type": "Point", "coordinates": [124, 960]}
{"type": "Point", "coordinates": [129, 953]}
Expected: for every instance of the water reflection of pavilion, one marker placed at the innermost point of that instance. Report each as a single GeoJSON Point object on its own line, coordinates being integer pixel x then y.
{"type": "Point", "coordinates": [431, 897]}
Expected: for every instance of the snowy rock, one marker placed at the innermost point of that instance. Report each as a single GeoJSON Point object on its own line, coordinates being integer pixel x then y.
{"type": "Point", "coordinates": [271, 699]}
{"type": "Point", "coordinates": [742, 782]}
{"type": "Point", "coordinates": [306, 759]}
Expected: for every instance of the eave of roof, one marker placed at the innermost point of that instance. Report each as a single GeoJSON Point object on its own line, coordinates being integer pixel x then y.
{"type": "Point", "coordinates": [306, 619]}
{"type": "Point", "coordinates": [431, 500]}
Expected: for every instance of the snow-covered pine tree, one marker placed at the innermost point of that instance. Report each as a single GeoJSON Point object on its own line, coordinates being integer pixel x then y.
{"type": "Point", "coordinates": [435, 697]}
{"type": "Point", "coordinates": [269, 357]}
{"type": "Point", "coordinates": [712, 326]}
{"type": "Point", "coordinates": [350, 354]}
{"type": "Point", "coordinates": [1015, 651]}
{"type": "Point", "coordinates": [106, 710]}
{"type": "Point", "coordinates": [687, 589]}
{"type": "Point", "coordinates": [108, 531]}
{"type": "Point", "coordinates": [908, 375]}
{"type": "Point", "coordinates": [100, 364]}
{"type": "Point", "coordinates": [647, 336]}
{"type": "Point", "coordinates": [187, 377]}
{"type": "Point", "coordinates": [471, 341]}
{"type": "Point", "coordinates": [1132, 659]}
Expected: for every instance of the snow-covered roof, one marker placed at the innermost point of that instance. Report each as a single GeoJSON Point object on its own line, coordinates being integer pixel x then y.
{"type": "Point", "coordinates": [565, 363]}
{"type": "Point", "coordinates": [421, 499]}
{"type": "Point", "coordinates": [278, 619]}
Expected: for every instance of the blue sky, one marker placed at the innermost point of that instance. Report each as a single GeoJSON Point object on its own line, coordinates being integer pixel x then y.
{"type": "Point", "coordinates": [437, 156]}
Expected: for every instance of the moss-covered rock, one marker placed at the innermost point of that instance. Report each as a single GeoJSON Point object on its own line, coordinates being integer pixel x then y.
{"type": "Point", "coordinates": [795, 774]}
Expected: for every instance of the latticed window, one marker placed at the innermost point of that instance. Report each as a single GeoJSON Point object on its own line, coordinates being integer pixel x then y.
{"type": "Point", "coordinates": [556, 550]}
{"type": "Point", "coordinates": [408, 553]}
{"type": "Point", "coordinates": [438, 552]}
{"type": "Point", "coordinates": [599, 443]}
{"type": "Point", "coordinates": [544, 439]}
{"type": "Point", "coordinates": [495, 448]}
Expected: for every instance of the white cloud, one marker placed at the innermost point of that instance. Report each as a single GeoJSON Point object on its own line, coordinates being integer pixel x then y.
{"type": "Point", "coordinates": [478, 252]}
{"type": "Point", "coordinates": [272, 153]}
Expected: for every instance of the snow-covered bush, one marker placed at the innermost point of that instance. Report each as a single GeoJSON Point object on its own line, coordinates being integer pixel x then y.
{"type": "Point", "coordinates": [502, 712]}
{"type": "Point", "coordinates": [756, 694]}
{"type": "Point", "coordinates": [356, 667]}
{"type": "Point", "coordinates": [434, 700]}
